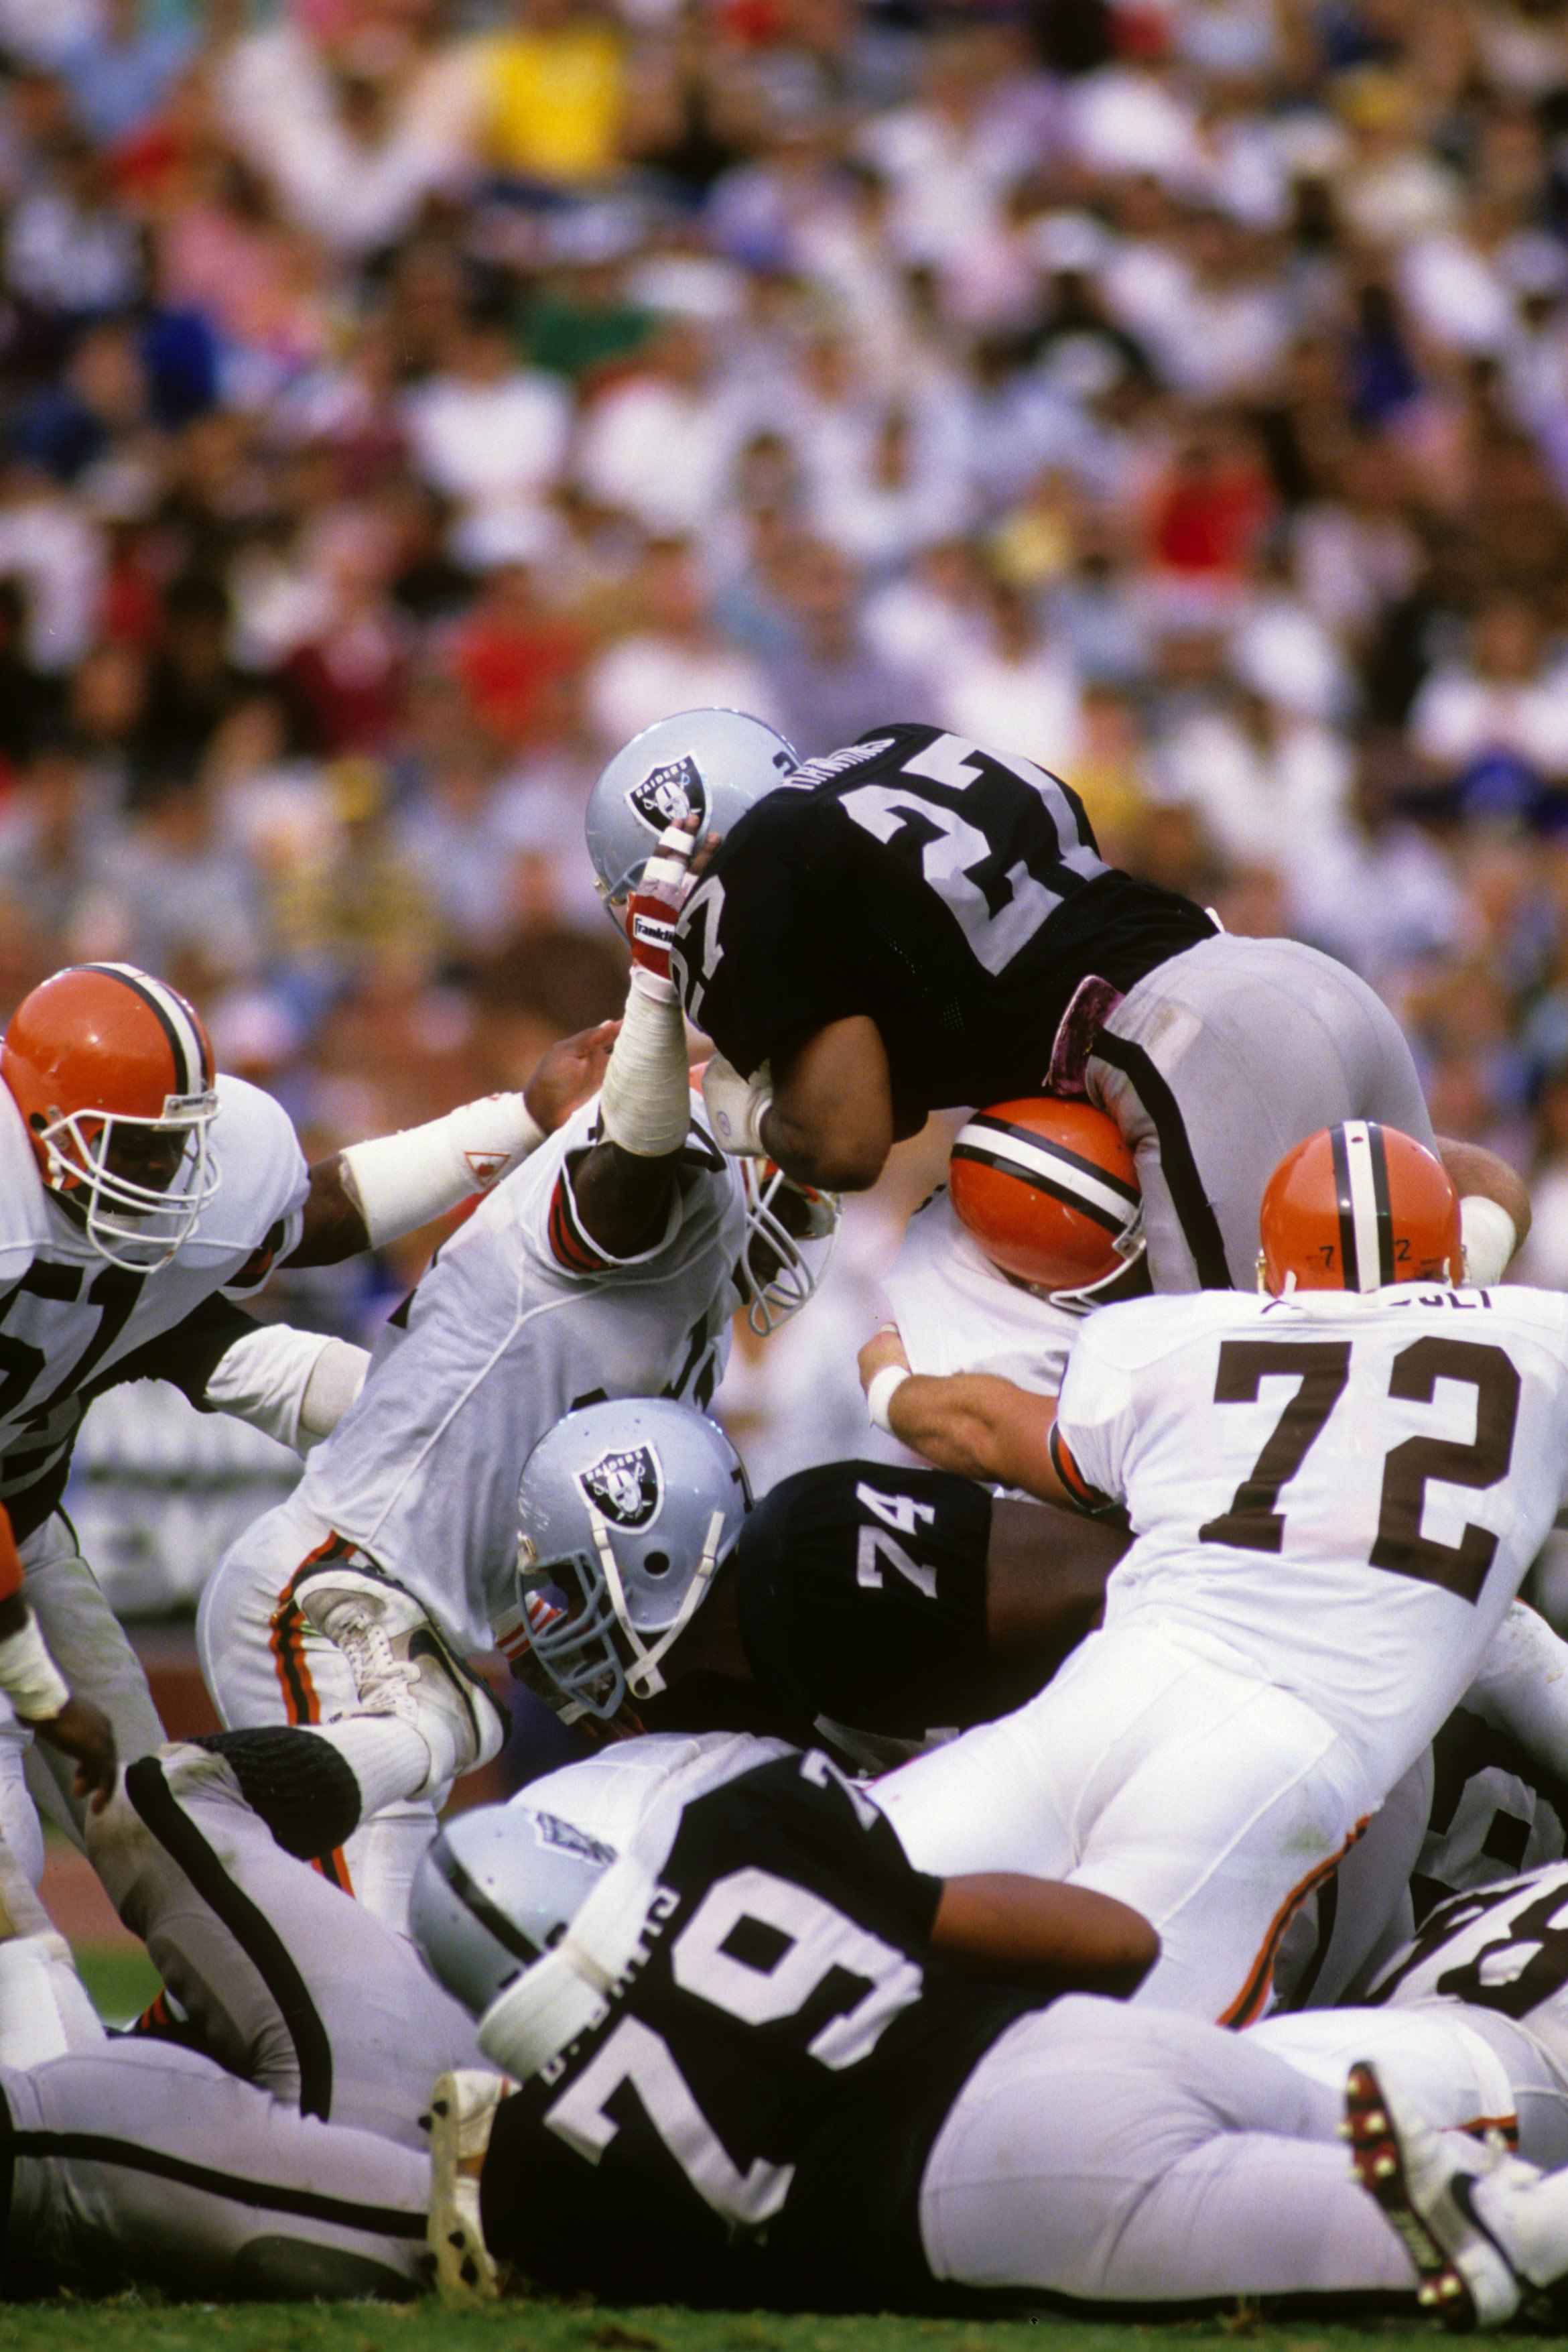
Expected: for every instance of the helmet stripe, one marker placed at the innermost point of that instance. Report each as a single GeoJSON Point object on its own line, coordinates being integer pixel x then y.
{"type": "Point", "coordinates": [1384, 1206]}
{"type": "Point", "coordinates": [1350, 1262]}
{"type": "Point", "coordinates": [1033, 1142]}
{"type": "Point", "coordinates": [1370, 1239]}
{"type": "Point", "coordinates": [176, 1017]}
{"type": "Point", "coordinates": [1113, 1217]}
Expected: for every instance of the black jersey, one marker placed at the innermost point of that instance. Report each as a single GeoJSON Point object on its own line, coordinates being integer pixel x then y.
{"type": "Point", "coordinates": [954, 894]}
{"type": "Point", "coordinates": [750, 2122]}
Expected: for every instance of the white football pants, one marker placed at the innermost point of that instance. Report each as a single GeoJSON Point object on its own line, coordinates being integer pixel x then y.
{"type": "Point", "coordinates": [1212, 1803]}
{"type": "Point", "coordinates": [1214, 1063]}
{"type": "Point", "coordinates": [1113, 2154]}
{"type": "Point", "coordinates": [262, 1664]}
{"type": "Point", "coordinates": [290, 2161]}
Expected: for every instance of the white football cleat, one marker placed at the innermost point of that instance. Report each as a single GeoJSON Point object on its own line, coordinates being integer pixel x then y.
{"type": "Point", "coordinates": [401, 1666]}
{"type": "Point", "coordinates": [1425, 2182]}
{"type": "Point", "coordinates": [462, 2109]}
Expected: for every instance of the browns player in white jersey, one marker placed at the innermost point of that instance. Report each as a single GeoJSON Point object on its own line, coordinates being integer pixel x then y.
{"type": "Point", "coordinates": [608, 1268]}
{"type": "Point", "coordinates": [141, 1193]}
{"type": "Point", "coordinates": [1334, 1490]}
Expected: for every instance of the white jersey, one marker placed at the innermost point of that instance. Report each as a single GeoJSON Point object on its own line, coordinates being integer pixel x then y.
{"type": "Point", "coordinates": [959, 1313]}
{"type": "Point", "coordinates": [67, 1318]}
{"type": "Point", "coordinates": [521, 1318]}
{"type": "Point", "coordinates": [1338, 1493]}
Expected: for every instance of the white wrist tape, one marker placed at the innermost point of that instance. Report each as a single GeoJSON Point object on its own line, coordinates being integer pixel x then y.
{"type": "Point", "coordinates": [29, 1676]}
{"type": "Point", "coordinates": [737, 1106]}
{"type": "Point", "coordinates": [293, 1385]}
{"type": "Point", "coordinates": [336, 1379]}
{"type": "Point", "coordinates": [402, 1181]}
{"type": "Point", "coordinates": [879, 1395]}
{"type": "Point", "coordinates": [645, 1104]}
{"type": "Point", "coordinates": [1489, 1236]}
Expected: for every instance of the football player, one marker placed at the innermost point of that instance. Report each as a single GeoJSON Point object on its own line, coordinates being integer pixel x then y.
{"type": "Point", "coordinates": [915, 921]}
{"type": "Point", "coordinates": [141, 1193]}
{"type": "Point", "coordinates": [757, 2060]}
{"type": "Point", "coordinates": [872, 1606]}
{"type": "Point", "coordinates": [608, 1265]}
{"type": "Point", "coordinates": [1335, 1490]}
{"type": "Point", "coordinates": [276, 2148]}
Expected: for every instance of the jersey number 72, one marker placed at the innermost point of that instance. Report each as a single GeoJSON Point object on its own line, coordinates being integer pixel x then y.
{"type": "Point", "coordinates": [1322, 1370]}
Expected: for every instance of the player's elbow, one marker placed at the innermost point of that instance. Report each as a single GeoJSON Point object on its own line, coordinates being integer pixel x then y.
{"type": "Point", "coordinates": [1131, 1948]}
{"type": "Point", "coordinates": [843, 1155]}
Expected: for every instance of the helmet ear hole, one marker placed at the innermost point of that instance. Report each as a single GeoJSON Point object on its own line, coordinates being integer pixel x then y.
{"type": "Point", "coordinates": [656, 1563]}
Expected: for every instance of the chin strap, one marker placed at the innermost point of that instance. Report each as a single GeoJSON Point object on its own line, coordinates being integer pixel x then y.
{"type": "Point", "coordinates": [644, 1679]}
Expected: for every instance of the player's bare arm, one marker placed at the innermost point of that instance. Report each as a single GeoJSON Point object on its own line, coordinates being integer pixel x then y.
{"type": "Point", "coordinates": [831, 1122]}
{"type": "Point", "coordinates": [622, 1199]}
{"type": "Point", "coordinates": [1069, 1937]}
{"type": "Point", "coordinates": [1046, 1572]}
{"type": "Point", "coordinates": [621, 1188]}
{"type": "Point", "coordinates": [339, 1221]}
{"type": "Point", "coordinates": [973, 1423]}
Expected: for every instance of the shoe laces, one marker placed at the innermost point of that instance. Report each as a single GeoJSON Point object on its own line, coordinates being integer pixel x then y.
{"type": "Point", "coordinates": [382, 1681]}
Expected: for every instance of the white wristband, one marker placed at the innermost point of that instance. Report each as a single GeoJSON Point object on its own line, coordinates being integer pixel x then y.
{"type": "Point", "coordinates": [879, 1394]}
{"type": "Point", "coordinates": [335, 1378]}
{"type": "Point", "coordinates": [1489, 1236]}
{"type": "Point", "coordinates": [645, 1104]}
{"type": "Point", "coordinates": [29, 1676]}
{"type": "Point", "coordinates": [737, 1106]}
{"type": "Point", "coordinates": [401, 1181]}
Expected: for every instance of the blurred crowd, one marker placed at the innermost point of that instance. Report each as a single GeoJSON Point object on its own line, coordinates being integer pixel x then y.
{"type": "Point", "coordinates": [401, 403]}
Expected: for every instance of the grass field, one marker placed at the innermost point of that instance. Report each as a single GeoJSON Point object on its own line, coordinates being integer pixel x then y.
{"type": "Point", "coordinates": [129, 2323]}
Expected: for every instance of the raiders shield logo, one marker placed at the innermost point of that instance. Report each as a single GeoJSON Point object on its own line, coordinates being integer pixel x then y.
{"type": "Point", "coordinates": [551, 1830]}
{"type": "Point", "coordinates": [668, 794]}
{"type": "Point", "coordinates": [625, 1488]}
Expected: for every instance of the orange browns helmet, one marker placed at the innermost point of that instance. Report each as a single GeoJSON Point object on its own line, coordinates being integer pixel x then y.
{"type": "Point", "coordinates": [1357, 1207]}
{"type": "Point", "coordinates": [112, 1072]}
{"type": "Point", "coordinates": [1050, 1191]}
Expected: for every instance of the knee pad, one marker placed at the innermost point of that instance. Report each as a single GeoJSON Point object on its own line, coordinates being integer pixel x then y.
{"type": "Point", "coordinates": [296, 1782]}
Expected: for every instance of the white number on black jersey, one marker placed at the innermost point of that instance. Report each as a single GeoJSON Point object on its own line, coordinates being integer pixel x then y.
{"type": "Point", "coordinates": [1503, 1947]}
{"type": "Point", "coordinates": [807, 1938]}
{"type": "Point", "coordinates": [951, 861]}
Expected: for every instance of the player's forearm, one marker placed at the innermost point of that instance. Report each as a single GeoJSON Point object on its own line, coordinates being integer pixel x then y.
{"type": "Point", "coordinates": [293, 1385]}
{"type": "Point", "coordinates": [981, 1426]}
{"type": "Point", "coordinates": [1070, 1938]}
{"type": "Point", "coordinates": [392, 1184]}
{"type": "Point", "coordinates": [830, 1121]}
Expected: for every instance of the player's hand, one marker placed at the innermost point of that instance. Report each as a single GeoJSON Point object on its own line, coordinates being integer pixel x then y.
{"type": "Point", "coordinates": [655, 906]}
{"type": "Point", "coordinates": [83, 1731]}
{"type": "Point", "coordinates": [572, 1071]}
{"type": "Point", "coordinates": [884, 1348]}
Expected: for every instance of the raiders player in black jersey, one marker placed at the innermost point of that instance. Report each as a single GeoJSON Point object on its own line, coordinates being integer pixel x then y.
{"type": "Point", "coordinates": [761, 2060]}
{"type": "Point", "coordinates": [917, 922]}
